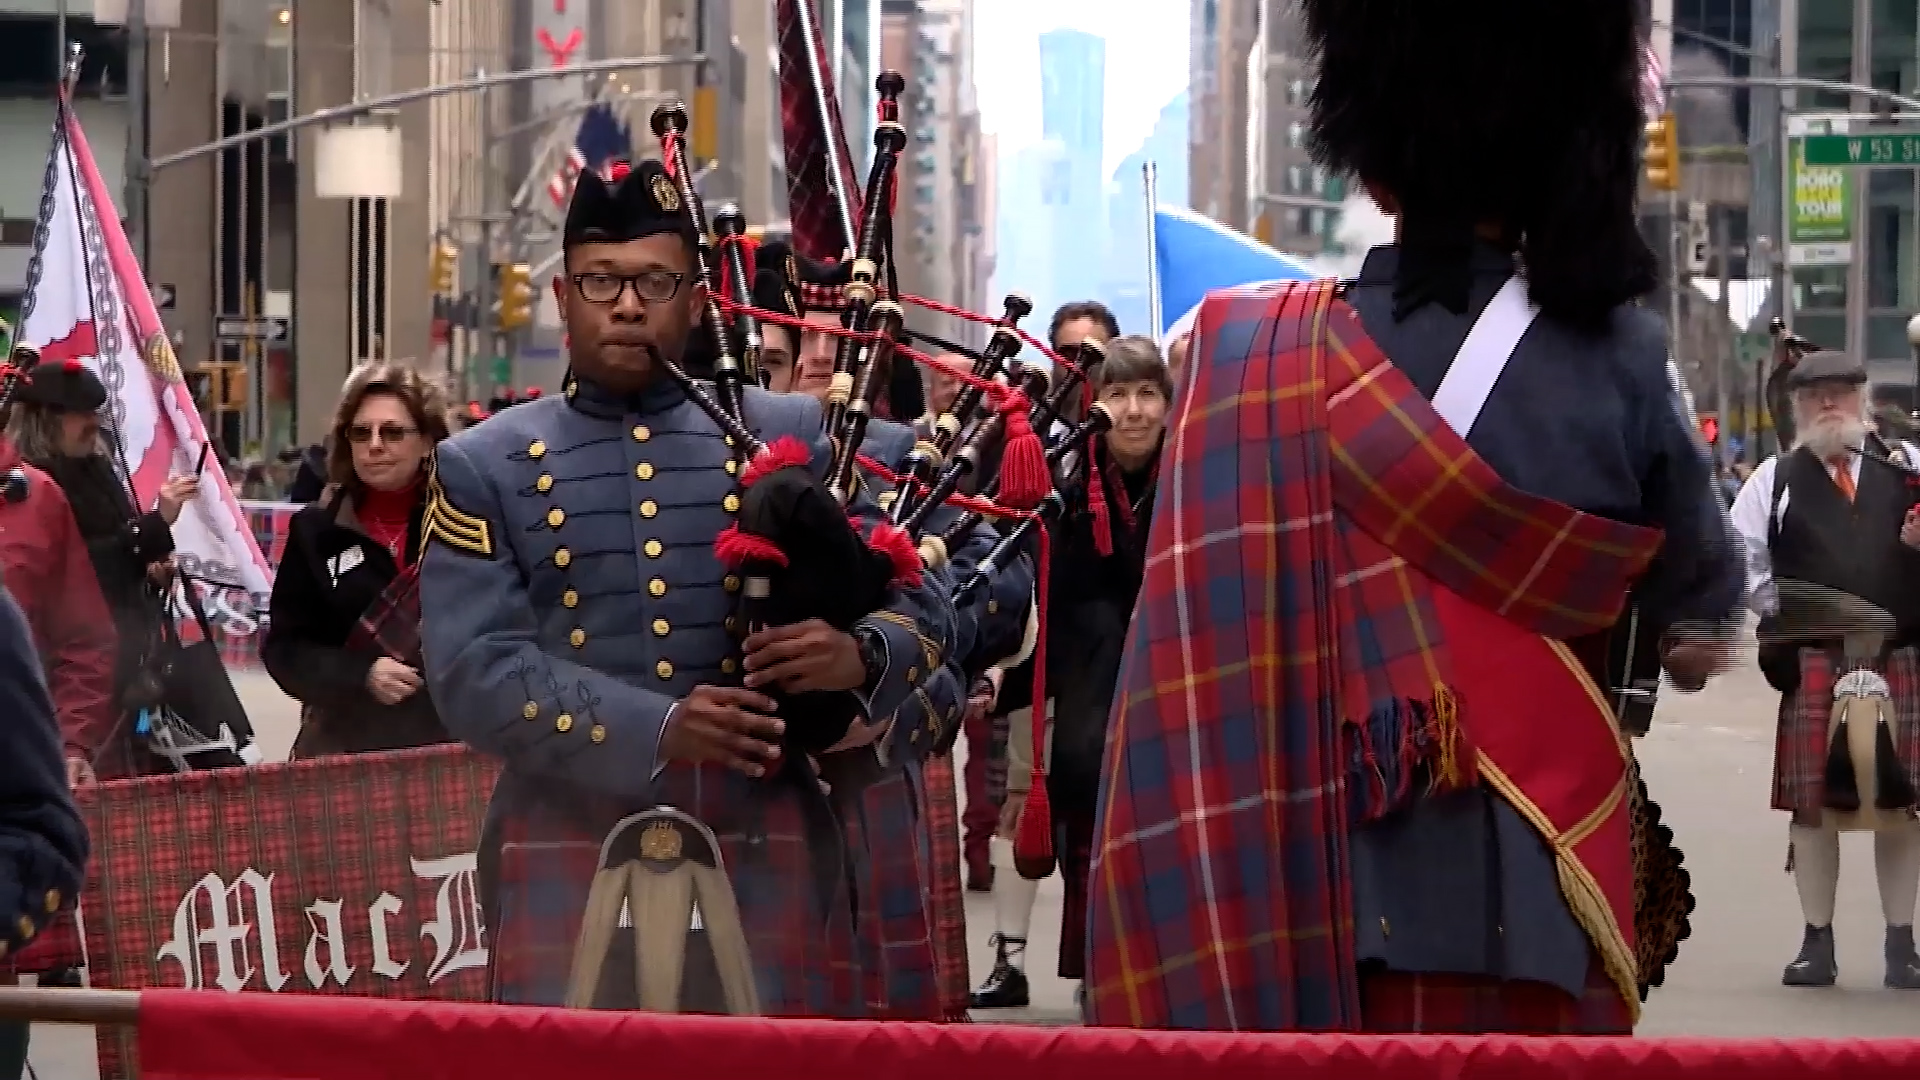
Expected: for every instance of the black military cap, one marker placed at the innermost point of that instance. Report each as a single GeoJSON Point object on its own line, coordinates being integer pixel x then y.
{"type": "Point", "coordinates": [1826, 367]}
{"type": "Point", "coordinates": [631, 203]}
{"type": "Point", "coordinates": [64, 386]}
{"type": "Point", "coordinates": [773, 280]}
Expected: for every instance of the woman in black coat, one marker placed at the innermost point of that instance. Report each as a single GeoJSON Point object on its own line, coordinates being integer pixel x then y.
{"type": "Point", "coordinates": [343, 557]}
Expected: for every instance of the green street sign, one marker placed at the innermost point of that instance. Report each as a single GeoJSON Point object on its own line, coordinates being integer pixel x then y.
{"type": "Point", "coordinates": [1893, 148]}
{"type": "Point", "coordinates": [501, 370]}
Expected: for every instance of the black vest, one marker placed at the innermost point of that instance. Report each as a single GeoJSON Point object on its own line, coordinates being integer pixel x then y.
{"type": "Point", "coordinates": [1854, 547]}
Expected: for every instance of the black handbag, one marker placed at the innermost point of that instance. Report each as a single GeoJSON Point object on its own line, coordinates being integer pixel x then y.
{"type": "Point", "coordinates": [200, 705]}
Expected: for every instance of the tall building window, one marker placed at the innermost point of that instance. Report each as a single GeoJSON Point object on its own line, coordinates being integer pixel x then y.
{"type": "Point", "coordinates": [1296, 135]}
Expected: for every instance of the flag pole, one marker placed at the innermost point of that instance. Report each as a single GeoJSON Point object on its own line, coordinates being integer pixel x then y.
{"type": "Point", "coordinates": [1151, 187]}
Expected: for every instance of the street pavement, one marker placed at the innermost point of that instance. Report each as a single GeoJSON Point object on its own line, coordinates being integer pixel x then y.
{"type": "Point", "coordinates": [1708, 764]}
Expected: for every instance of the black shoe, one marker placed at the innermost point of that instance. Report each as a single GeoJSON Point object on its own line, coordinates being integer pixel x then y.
{"type": "Point", "coordinates": [1815, 966]}
{"type": "Point", "coordinates": [1903, 964]}
{"type": "Point", "coordinates": [1006, 985]}
{"type": "Point", "coordinates": [69, 978]}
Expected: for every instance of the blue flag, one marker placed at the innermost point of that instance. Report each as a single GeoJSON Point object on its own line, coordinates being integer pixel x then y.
{"type": "Point", "coordinates": [1198, 255]}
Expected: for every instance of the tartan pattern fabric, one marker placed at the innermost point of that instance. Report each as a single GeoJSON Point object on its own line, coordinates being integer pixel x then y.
{"type": "Point", "coordinates": [1308, 497]}
{"type": "Point", "coordinates": [1398, 1003]}
{"type": "Point", "coordinates": [772, 834]}
{"type": "Point", "coordinates": [1800, 740]}
{"type": "Point", "coordinates": [900, 959]}
{"type": "Point", "coordinates": [172, 854]}
{"type": "Point", "coordinates": [392, 623]}
{"type": "Point", "coordinates": [57, 946]}
{"type": "Point", "coordinates": [946, 898]}
{"type": "Point", "coordinates": [817, 229]}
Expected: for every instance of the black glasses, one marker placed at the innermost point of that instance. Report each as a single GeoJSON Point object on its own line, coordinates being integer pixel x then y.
{"type": "Point", "coordinates": [652, 286]}
{"type": "Point", "coordinates": [388, 432]}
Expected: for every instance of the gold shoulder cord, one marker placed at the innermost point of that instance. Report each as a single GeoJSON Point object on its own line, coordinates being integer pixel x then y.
{"type": "Point", "coordinates": [451, 525]}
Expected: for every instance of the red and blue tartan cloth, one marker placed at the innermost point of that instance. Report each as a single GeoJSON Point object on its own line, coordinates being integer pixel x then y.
{"type": "Point", "coordinates": [392, 623]}
{"type": "Point", "coordinates": [1800, 744]}
{"type": "Point", "coordinates": [1288, 675]}
{"type": "Point", "coordinates": [812, 147]}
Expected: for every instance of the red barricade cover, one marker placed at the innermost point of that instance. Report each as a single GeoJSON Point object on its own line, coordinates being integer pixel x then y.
{"type": "Point", "coordinates": [207, 1036]}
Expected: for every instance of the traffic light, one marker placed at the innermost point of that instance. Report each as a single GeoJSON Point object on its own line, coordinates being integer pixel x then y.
{"type": "Point", "coordinates": [1663, 153]}
{"type": "Point", "coordinates": [1710, 429]}
{"type": "Point", "coordinates": [442, 263]}
{"type": "Point", "coordinates": [516, 295]}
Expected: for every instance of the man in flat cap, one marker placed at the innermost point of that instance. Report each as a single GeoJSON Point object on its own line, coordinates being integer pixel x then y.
{"type": "Point", "coordinates": [1838, 512]}
{"type": "Point", "coordinates": [578, 624]}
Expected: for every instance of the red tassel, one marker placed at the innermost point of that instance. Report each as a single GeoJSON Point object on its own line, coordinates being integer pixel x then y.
{"type": "Point", "coordinates": [1024, 478]}
{"type": "Point", "coordinates": [618, 170]}
{"type": "Point", "coordinates": [892, 541]}
{"type": "Point", "coordinates": [735, 549]}
{"type": "Point", "coordinates": [73, 365]}
{"type": "Point", "coordinates": [1097, 503]}
{"type": "Point", "coordinates": [786, 452]}
{"type": "Point", "coordinates": [1033, 838]}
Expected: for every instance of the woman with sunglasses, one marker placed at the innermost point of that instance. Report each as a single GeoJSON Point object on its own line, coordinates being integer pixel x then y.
{"type": "Point", "coordinates": [342, 554]}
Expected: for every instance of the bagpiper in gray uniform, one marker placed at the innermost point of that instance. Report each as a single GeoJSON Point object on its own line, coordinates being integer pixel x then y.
{"type": "Point", "coordinates": [572, 600]}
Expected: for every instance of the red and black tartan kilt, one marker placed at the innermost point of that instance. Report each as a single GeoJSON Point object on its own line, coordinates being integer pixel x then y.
{"type": "Point", "coordinates": [1800, 745]}
{"type": "Point", "coordinates": [1402, 1003]}
{"type": "Point", "coordinates": [56, 947]}
{"type": "Point", "coordinates": [946, 899]}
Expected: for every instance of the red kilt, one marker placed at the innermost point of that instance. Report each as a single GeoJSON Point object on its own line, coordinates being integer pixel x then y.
{"type": "Point", "coordinates": [946, 900]}
{"type": "Point", "coordinates": [1400, 1003]}
{"type": "Point", "coordinates": [1800, 746]}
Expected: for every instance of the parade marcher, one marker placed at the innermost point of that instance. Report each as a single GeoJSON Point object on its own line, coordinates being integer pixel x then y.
{"type": "Point", "coordinates": [43, 842]}
{"type": "Point", "coordinates": [1451, 471]}
{"type": "Point", "coordinates": [1010, 730]}
{"type": "Point", "coordinates": [342, 555]}
{"type": "Point", "coordinates": [579, 625]}
{"type": "Point", "coordinates": [55, 425]}
{"type": "Point", "coordinates": [1837, 511]}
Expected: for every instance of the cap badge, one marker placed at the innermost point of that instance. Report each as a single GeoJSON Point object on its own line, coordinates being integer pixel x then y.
{"type": "Point", "coordinates": [665, 195]}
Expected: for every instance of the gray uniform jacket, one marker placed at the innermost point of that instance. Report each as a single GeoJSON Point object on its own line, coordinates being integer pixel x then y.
{"type": "Point", "coordinates": [1460, 883]}
{"type": "Point", "coordinates": [43, 843]}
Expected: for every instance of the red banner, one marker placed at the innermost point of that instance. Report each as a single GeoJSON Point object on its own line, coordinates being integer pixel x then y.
{"type": "Point", "coordinates": [221, 1037]}
{"type": "Point", "coordinates": [349, 875]}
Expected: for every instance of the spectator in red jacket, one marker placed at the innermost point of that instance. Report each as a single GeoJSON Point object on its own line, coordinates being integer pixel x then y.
{"type": "Point", "coordinates": [46, 566]}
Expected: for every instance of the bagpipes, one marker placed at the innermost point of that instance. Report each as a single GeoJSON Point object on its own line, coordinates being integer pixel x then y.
{"type": "Point", "coordinates": [1789, 349]}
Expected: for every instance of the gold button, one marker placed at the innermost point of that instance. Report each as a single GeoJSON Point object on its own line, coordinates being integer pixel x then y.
{"type": "Point", "coordinates": [649, 508]}
{"type": "Point", "coordinates": [1385, 930]}
{"type": "Point", "coordinates": [641, 434]}
{"type": "Point", "coordinates": [26, 928]}
{"type": "Point", "coordinates": [597, 733]}
{"type": "Point", "coordinates": [556, 517]}
{"type": "Point", "coordinates": [731, 582]}
{"type": "Point", "coordinates": [913, 736]}
{"type": "Point", "coordinates": [732, 623]}
{"type": "Point", "coordinates": [578, 638]}
{"type": "Point", "coordinates": [563, 723]}
{"type": "Point", "coordinates": [643, 471]}
{"type": "Point", "coordinates": [728, 666]}
{"type": "Point", "coordinates": [661, 628]}
{"type": "Point", "coordinates": [664, 669]}
{"type": "Point", "coordinates": [731, 504]}
{"type": "Point", "coordinates": [993, 607]}
{"type": "Point", "coordinates": [561, 557]}
{"type": "Point", "coordinates": [733, 466]}
{"type": "Point", "coordinates": [657, 587]}
{"type": "Point", "coordinates": [653, 548]}
{"type": "Point", "coordinates": [536, 449]}
{"type": "Point", "coordinates": [728, 439]}
{"type": "Point", "coordinates": [52, 902]}
{"type": "Point", "coordinates": [569, 599]}
{"type": "Point", "coordinates": [913, 675]}
{"type": "Point", "coordinates": [530, 710]}
{"type": "Point", "coordinates": [544, 484]}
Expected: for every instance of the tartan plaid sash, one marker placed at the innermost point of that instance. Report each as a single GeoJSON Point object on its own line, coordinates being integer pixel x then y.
{"type": "Point", "coordinates": [811, 178]}
{"type": "Point", "coordinates": [1309, 497]}
{"type": "Point", "coordinates": [392, 624]}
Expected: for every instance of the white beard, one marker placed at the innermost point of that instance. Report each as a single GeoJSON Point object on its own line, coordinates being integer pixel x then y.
{"type": "Point", "coordinates": [1832, 436]}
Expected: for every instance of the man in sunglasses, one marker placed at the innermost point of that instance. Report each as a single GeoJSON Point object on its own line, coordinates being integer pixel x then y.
{"type": "Point", "coordinates": [578, 625]}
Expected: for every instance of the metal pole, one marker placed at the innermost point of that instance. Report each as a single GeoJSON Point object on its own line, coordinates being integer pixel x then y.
{"type": "Point", "coordinates": [60, 36]}
{"type": "Point", "coordinates": [836, 174]}
{"type": "Point", "coordinates": [1788, 82]}
{"type": "Point", "coordinates": [1723, 376]}
{"type": "Point", "coordinates": [489, 341]}
{"type": "Point", "coordinates": [337, 113]}
{"type": "Point", "coordinates": [1150, 185]}
{"type": "Point", "coordinates": [139, 171]}
{"type": "Point", "coordinates": [1676, 253]}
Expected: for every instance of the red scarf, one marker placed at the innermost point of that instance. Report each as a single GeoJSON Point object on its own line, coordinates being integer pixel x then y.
{"type": "Point", "coordinates": [386, 516]}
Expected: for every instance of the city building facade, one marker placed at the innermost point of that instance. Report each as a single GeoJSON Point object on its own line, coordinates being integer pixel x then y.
{"type": "Point", "coordinates": [1293, 203]}
{"type": "Point", "coordinates": [1224, 38]}
{"type": "Point", "coordinates": [1073, 89]}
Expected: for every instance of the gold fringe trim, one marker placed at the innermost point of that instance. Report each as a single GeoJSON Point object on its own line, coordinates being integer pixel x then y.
{"type": "Point", "coordinates": [1446, 730]}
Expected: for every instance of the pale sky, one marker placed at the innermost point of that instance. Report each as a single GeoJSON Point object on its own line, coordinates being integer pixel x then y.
{"type": "Point", "coordinates": [1146, 64]}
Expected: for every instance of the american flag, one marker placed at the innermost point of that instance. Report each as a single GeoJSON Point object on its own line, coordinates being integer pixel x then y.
{"type": "Point", "coordinates": [1653, 77]}
{"type": "Point", "coordinates": [601, 138]}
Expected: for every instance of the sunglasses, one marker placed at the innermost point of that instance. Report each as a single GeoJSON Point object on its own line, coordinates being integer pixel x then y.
{"type": "Point", "coordinates": [361, 434]}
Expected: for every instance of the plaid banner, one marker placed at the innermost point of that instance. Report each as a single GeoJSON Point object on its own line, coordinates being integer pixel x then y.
{"type": "Point", "coordinates": [392, 624]}
{"type": "Point", "coordinates": [818, 231]}
{"type": "Point", "coordinates": [342, 875]}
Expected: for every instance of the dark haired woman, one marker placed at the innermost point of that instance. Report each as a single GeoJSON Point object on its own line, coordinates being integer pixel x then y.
{"type": "Point", "coordinates": [342, 554]}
